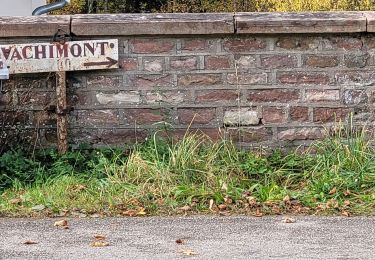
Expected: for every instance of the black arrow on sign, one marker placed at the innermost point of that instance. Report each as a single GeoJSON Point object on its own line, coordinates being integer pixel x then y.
{"type": "Point", "coordinates": [109, 63]}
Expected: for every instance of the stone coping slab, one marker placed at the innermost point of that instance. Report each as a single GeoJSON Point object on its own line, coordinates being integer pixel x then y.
{"type": "Point", "coordinates": [370, 17]}
{"type": "Point", "coordinates": [33, 26]}
{"type": "Point", "coordinates": [306, 22]}
{"type": "Point", "coordinates": [153, 24]}
{"type": "Point", "coordinates": [188, 24]}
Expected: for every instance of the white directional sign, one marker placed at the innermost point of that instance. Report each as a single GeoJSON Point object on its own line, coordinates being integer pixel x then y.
{"type": "Point", "coordinates": [50, 57]}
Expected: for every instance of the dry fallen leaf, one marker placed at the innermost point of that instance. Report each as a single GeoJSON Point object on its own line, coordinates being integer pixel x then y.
{"type": "Point", "coordinates": [61, 223]}
{"type": "Point", "coordinates": [160, 202]}
{"type": "Point", "coordinates": [347, 193]}
{"type": "Point", "coordinates": [259, 213]}
{"type": "Point", "coordinates": [29, 242]}
{"type": "Point", "coordinates": [286, 199]}
{"type": "Point", "coordinates": [141, 212]}
{"type": "Point", "coordinates": [252, 201]}
{"type": "Point", "coordinates": [79, 188]}
{"type": "Point", "coordinates": [289, 220]}
{"type": "Point", "coordinates": [228, 200]}
{"type": "Point", "coordinates": [99, 243]}
{"type": "Point", "coordinates": [332, 203]}
{"type": "Point", "coordinates": [222, 207]}
{"type": "Point", "coordinates": [333, 191]}
{"type": "Point", "coordinates": [188, 252]}
{"type": "Point", "coordinates": [185, 208]}
{"type": "Point", "coordinates": [211, 207]}
{"type": "Point", "coordinates": [276, 210]}
{"type": "Point", "coordinates": [345, 214]}
{"type": "Point", "coordinates": [133, 201]}
{"type": "Point", "coordinates": [130, 212]}
{"type": "Point", "coordinates": [180, 241]}
{"type": "Point", "coordinates": [347, 203]}
{"type": "Point", "coordinates": [99, 237]}
{"type": "Point", "coordinates": [15, 201]}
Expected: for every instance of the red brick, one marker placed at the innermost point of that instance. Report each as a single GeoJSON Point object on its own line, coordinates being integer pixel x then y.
{"type": "Point", "coordinates": [84, 135]}
{"type": "Point", "coordinates": [273, 95]}
{"type": "Point", "coordinates": [43, 118]}
{"type": "Point", "coordinates": [243, 45]}
{"type": "Point", "coordinates": [303, 78]}
{"type": "Point", "coordinates": [122, 136]}
{"type": "Point", "coordinates": [152, 46]}
{"type": "Point", "coordinates": [153, 64]}
{"type": "Point", "coordinates": [273, 115]}
{"type": "Point", "coordinates": [196, 115]}
{"type": "Point", "coordinates": [35, 98]}
{"type": "Point", "coordinates": [50, 136]}
{"type": "Point", "coordinates": [297, 43]}
{"type": "Point", "coordinates": [245, 61]}
{"type": "Point", "coordinates": [355, 97]}
{"type": "Point", "coordinates": [151, 81]}
{"type": "Point", "coordinates": [183, 63]}
{"type": "Point", "coordinates": [6, 99]}
{"type": "Point", "coordinates": [318, 95]}
{"type": "Point", "coordinates": [305, 133]}
{"type": "Point", "coordinates": [97, 117]}
{"type": "Point", "coordinates": [194, 45]}
{"type": "Point", "coordinates": [324, 114]}
{"type": "Point", "coordinates": [243, 116]}
{"type": "Point", "coordinates": [104, 81]}
{"type": "Point", "coordinates": [300, 114]}
{"type": "Point", "coordinates": [199, 80]}
{"type": "Point", "coordinates": [355, 78]}
{"type": "Point", "coordinates": [216, 96]}
{"type": "Point", "coordinates": [217, 62]}
{"type": "Point", "coordinates": [247, 78]}
{"type": "Point", "coordinates": [14, 118]}
{"type": "Point", "coordinates": [145, 116]}
{"type": "Point", "coordinates": [81, 98]}
{"type": "Point", "coordinates": [214, 134]}
{"type": "Point", "coordinates": [356, 60]}
{"type": "Point", "coordinates": [108, 136]}
{"type": "Point", "coordinates": [369, 42]}
{"type": "Point", "coordinates": [128, 64]}
{"type": "Point", "coordinates": [118, 98]}
{"type": "Point", "coordinates": [278, 61]}
{"type": "Point", "coordinates": [321, 61]}
{"type": "Point", "coordinates": [250, 134]}
{"type": "Point", "coordinates": [346, 43]}
{"type": "Point", "coordinates": [32, 82]}
{"type": "Point", "coordinates": [167, 97]}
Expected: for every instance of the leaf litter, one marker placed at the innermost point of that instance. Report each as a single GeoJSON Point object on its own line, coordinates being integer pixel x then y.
{"type": "Point", "coordinates": [99, 241]}
{"type": "Point", "coordinates": [30, 242]}
{"type": "Point", "coordinates": [61, 224]}
{"type": "Point", "coordinates": [289, 220]}
{"type": "Point", "coordinates": [188, 252]}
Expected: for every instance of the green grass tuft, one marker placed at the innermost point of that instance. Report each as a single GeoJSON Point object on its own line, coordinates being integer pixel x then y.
{"type": "Point", "coordinates": [337, 175]}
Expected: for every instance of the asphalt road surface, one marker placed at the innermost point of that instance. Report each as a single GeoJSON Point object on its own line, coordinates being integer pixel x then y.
{"type": "Point", "coordinates": [201, 237]}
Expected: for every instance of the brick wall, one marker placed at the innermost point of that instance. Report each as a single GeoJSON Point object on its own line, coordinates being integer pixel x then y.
{"type": "Point", "coordinates": [281, 86]}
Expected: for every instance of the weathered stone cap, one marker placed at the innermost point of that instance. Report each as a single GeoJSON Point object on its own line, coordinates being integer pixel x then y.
{"type": "Point", "coordinates": [306, 22]}
{"type": "Point", "coordinates": [189, 24]}
{"type": "Point", "coordinates": [153, 24]}
{"type": "Point", "coordinates": [370, 16]}
{"type": "Point", "coordinates": [30, 26]}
